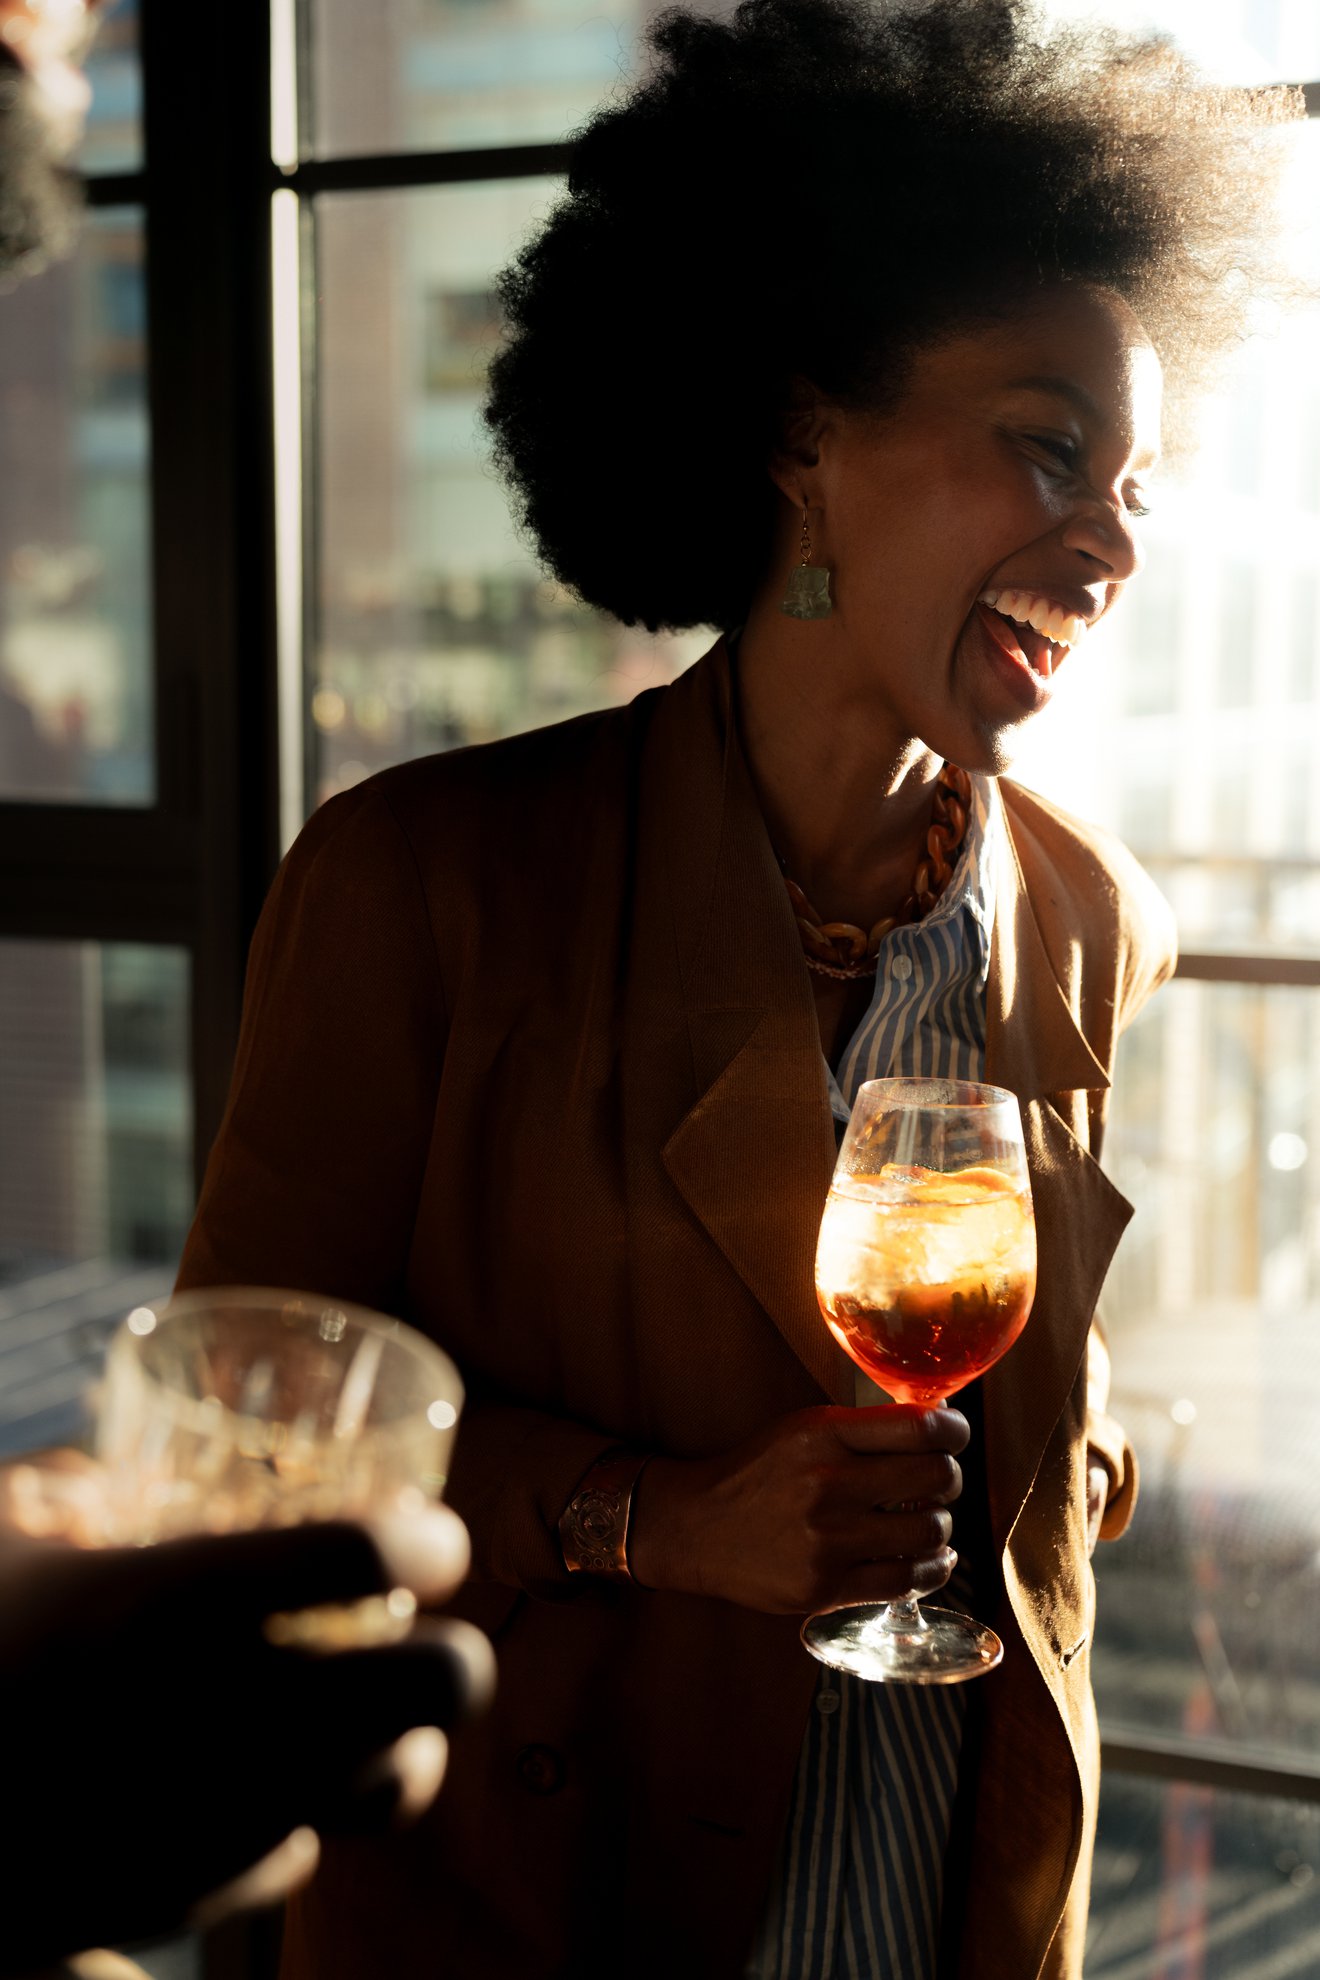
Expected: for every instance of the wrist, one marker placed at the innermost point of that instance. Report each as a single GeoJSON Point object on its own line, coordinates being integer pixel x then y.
{"type": "Point", "coordinates": [662, 1548]}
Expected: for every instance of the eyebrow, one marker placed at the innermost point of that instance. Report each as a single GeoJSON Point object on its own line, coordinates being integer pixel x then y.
{"type": "Point", "coordinates": [1063, 388]}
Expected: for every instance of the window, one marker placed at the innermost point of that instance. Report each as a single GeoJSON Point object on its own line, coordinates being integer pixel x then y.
{"type": "Point", "coordinates": [1193, 732]}
{"type": "Point", "coordinates": [432, 624]}
{"type": "Point", "coordinates": [76, 689]}
{"type": "Point", "coordinates": [128, 876]}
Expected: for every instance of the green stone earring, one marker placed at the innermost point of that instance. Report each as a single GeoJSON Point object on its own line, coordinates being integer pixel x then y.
{"type": "Point", "coordinates": [808, 594]}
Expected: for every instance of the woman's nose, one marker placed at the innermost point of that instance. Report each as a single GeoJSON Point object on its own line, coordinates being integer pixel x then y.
{"type": "Point", "coordinates": [1105, 532]}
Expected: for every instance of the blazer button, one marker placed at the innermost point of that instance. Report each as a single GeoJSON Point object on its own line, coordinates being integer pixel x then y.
{"type": "Point", "coordinates": [541, 1769]}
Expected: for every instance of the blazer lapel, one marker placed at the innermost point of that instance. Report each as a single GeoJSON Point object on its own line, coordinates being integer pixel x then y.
{"type": "Point", "coordinates": [1035, 1048]}
{"type": "Point", "coordinates": [753, 1152]}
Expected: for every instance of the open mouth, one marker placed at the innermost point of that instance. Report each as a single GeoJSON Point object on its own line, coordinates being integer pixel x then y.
{"type": "Point", "coordinates": [1032, 629]}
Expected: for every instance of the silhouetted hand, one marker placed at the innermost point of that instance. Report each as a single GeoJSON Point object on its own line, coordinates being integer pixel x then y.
{"type": "Point", "coordinates": [163, 1760]}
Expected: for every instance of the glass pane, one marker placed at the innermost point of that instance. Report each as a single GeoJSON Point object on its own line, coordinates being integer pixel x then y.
{"type": "Point", "coordinates": [413, 75]}
{"type": "Point", "coordinates": [75, 666]}
{"type": "Point", "coordinates": [113, 139]}
{"type": "Point", "coordinates": [435, 625]}
{"type": "Point", "coordinates": [1210, 1606]}
{"type": "Point", "coordinates": [1240, 41]}
{"type": "Point", "coordinates": [430, 75]}
{"type": "Point", "coordinates": [1194, 1884]}
{"type": "Point", "coordinates": [1190, 722]}
{"type": "Point", "coordinates": [95, 1161]}
{"type": "Point", "coordinates": [410, 75]}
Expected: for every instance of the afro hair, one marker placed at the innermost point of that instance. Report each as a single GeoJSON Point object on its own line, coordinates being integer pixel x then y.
{"type": "Point", "coordinates": [809, 190]}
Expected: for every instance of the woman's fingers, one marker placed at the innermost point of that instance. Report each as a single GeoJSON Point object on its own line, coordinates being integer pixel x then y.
{"type": "Point", "coordinates": [932, 1478]}
{"type": "Point", "coordinates": [896, 1544]}
{"type": "Point", "coordinates": [1097, 1497]}
{"type": "Point", "coordinates": [909, 1533]}
{"type": "Point", "coordinates": [898, 1428]}
{"type": "Point", "coordinates": [897, 1454]}
{"type": "Point", "coordinates": [890, 1580]}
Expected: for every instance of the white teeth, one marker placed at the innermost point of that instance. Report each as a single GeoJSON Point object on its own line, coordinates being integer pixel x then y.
{"type": "Point", "coordinates": [1028, 608]}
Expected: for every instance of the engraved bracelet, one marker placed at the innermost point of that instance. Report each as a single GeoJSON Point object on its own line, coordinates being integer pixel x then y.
{"type": "Point", "coordinates": [593, 1529]}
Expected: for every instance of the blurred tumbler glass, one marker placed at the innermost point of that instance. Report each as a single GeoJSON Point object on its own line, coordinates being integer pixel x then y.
{"type": "Point", "coordinates": [229, 1409]}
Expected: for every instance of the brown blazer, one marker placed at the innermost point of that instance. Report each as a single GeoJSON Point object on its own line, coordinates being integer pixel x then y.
{"type": "Point", "coordinates": [530, 1057]}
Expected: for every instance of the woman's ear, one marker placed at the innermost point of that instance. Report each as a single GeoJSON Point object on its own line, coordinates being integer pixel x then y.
{"type": "Point", "coordinates": [797, 445]}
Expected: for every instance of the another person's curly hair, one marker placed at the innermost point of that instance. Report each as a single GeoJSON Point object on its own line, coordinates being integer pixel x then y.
{"type": "Point", "coordinates": [812, 190]}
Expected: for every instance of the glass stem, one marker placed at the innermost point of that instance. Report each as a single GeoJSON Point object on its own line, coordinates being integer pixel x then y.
{"type": "Point", "coordinates": [904, 1618]}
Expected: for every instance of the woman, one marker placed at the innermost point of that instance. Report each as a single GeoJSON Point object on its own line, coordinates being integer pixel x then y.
{"type": "Point", "coordinates": [847, 340]}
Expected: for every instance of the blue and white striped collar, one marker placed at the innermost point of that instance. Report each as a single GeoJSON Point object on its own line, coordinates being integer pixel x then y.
{"type": "Point", "coordinates": [972, 888]}
{"type": "Point", "coordinates": [952, 942]}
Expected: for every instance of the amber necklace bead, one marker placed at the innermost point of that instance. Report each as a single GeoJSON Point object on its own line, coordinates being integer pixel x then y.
{"type": "Point", "coordinates": [837, 948]}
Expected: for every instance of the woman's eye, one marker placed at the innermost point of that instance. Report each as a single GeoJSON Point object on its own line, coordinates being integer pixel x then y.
{"type": "Point", "coordinates": [1136, 505]}
{"type": "Point", "coordinates": [1062, 450]}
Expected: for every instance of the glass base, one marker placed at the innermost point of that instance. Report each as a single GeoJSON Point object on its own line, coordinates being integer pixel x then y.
{"type": "Point", "coordinates": [882, 1642]}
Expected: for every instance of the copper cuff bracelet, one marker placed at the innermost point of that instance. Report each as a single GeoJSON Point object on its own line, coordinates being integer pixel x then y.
{"type": "Point", "coordinates": [593, 1528]}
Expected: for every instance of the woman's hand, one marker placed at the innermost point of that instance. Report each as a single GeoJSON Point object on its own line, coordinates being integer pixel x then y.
{"type": "Point", "coordinates": [1097, 1497]}
{"type": "Point", "coordinates": [828, 1507]}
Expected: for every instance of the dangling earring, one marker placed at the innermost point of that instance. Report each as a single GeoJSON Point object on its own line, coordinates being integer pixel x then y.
{"type": "Point", "coordinates": [808, 594]}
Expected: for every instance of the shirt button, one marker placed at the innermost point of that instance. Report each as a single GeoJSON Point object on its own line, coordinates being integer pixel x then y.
{"type": "Point", "coordinates": [902, 967]}
{"type": "Point", "coordinates": [827, 1702]}
{"type": "Point", "coordinates": [540, 1769]}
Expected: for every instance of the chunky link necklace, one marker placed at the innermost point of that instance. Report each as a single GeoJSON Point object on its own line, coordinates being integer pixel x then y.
{"type": "Point", "coordinates": [837, 948]}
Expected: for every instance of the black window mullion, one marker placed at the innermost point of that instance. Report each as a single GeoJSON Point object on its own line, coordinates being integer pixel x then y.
{"type": "Point", "coordinates": [116, 189]}
{"type": "Point", "coordinates": [396, 171]}
{"type": "Point", "coordinates": [206, 129]}
{"type": "Point", "coordinates": [83, 872]}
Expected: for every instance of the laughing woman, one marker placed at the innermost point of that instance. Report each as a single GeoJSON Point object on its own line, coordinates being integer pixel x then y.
{"type": "Point", "coordinates": [848, 341]}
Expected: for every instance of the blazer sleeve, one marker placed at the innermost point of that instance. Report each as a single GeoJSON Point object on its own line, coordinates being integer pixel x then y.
{"type": "Point", "coordinates": [315, 1176]}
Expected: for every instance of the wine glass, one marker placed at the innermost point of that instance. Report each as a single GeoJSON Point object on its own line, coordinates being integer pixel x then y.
{"type": "Point", "coordinates": [241, 1407]}
{"type": "Point", "coordinates": [925, 1274]}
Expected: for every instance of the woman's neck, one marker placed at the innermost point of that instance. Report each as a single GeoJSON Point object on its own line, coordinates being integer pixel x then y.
{"type": "Point", "coordinates": [846, 800]}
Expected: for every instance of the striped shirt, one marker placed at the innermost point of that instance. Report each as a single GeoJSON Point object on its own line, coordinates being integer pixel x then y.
{"type": "Point", "coordinates": [860, 1881]}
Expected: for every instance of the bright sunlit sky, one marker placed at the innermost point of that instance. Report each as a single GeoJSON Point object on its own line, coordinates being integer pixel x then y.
{"type": "Point", "coordinates": [1245, 41]}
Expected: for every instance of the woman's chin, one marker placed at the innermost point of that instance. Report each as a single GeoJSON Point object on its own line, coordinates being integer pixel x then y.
{"type": "Point", "coordinates": [982, 744]}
